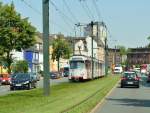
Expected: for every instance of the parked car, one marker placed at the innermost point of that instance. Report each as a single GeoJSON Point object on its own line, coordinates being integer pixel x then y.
{"type": "Point", "coordinates": [36, 76]}
{"type": "Point", "coordinates": [55, 75]}
{"type": "Point", "coordinates": [66, 72]}
{"type": "Point", "coordinates": [5, 79]}
{"type": "Point", "coordinates": [22, 81]}
{"type": "Point", "coordinates": [0, 80]}
{"type": "Point", "coordinates": [130, 79]}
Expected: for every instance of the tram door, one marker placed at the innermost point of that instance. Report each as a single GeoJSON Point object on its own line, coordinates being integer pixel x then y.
{"type": "Point", "coordinates": [88, 68]}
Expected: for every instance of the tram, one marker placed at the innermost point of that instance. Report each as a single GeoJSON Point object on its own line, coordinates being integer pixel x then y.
{"type": "Point", "coordinates": [81, 68]}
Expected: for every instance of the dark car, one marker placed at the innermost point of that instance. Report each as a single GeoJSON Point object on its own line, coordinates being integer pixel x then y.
{"type": "Point", "coordinates": [22, 81]}
{"type": "Point", "coordinates": [66, 72]}
{"type": "Point", "coordinates": [54, 75]}
{"type": "Point", "coordinates": [148, 79]}
{"type": "Point", "coordinates": [130, 79]}
{"type": "Point", "coordinates": [35, 76]}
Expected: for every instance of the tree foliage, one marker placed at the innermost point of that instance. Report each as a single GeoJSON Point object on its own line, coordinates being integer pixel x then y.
{"type": "Point", "coordinates": [16, 33]}
{"type": "Point", "coordinates": [20, 66]}
{"type": "Point", "coordinates": [149, 43]}
{"type": "Point", "coordinates": [61, 49]}
{"type": "Point", "coordinates": [123, 50]}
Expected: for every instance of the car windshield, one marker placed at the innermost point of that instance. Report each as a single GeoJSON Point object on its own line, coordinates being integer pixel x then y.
{"type": "Point", "coordinates": [21, 76]}
{"type": "Point", "coordinates": [66, 68]}
{"type": "Point", "coordinates": [129, 75]}
{"type": "Point", "coordinates": [77, 64]}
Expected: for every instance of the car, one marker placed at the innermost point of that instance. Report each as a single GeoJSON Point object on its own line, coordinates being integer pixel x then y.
{"type": "Point", "coordinates": [22, 81]}
{"type": "Point", "coordinates": [36, 76]}
{"type": "Point", "coordinates": [130, 78]}
{"type": "Point", "coordinates": [5, 79]}
{"type": "Point", "coordinates": [118, 70]}
{"type": "Point", "coordinates": [148, 78]}
{"type": "Point", "coordinates": [66, 72]}
{"type": "Point", "coordinates": [0, 80]}
{"type": "Point", "coordinates": [137, 69]}
{"type": "Point", "coordinates": [54, 75]}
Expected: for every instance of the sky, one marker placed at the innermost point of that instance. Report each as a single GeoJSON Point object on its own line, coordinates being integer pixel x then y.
{"type": "Point", "coordinates": [128, 21]}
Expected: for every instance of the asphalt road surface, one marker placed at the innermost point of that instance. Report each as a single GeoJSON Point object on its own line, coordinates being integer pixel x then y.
{"type": "Point", "coordinates": [4, 89]}
{"type": "Point", "coordinates": [128, 100]}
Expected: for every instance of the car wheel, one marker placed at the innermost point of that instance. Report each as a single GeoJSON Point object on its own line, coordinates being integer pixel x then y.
{"type": "Point", "coordinates": [29, 86]}
{"type": "Point", "coordinates": [12, 88]}
{"type": "Point", "coordinates": [35, 85]}
{"type": "Point", "coordinates": [122, 86]}
{"type": "Point", "coordinates": [138, 86]}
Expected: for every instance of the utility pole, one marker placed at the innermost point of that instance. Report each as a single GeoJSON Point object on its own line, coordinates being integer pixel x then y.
{"type": "Point", "coordinates": [74, 39]}
{"type": "Point", "coordinates": [92, 24]}
{"type": "Point", "coordinates": [115, 56]}
{"type": "Point", "coordinates": [106, 57]}
{"type": "Point", "coordinates": [46, 82]}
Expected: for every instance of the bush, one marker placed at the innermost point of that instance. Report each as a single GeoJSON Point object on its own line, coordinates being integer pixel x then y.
{"type": "Point", "coordinates": [20, 66]}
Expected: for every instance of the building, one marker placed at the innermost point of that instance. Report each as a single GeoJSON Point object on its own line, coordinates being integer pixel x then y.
{"type": "Point", "coordinates": [33, 55]}
{"type": "Point", "coordinates": [114, 57]}
{"type": "Point", "coordinates": [138, 56]}
{"type": "Point", "coordinates": [82, 45]}
{"type": "Point", "coordinates": [100, 36]}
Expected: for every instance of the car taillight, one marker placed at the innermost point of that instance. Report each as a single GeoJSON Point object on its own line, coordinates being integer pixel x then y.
{"type": "Point", "coordinates": [137, 78]}
{"type": "Point", "coordinates": [123, 78]}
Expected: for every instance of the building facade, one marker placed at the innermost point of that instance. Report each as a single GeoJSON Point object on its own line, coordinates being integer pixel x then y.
{"type": "Point", "coordinates": [114, 57]}
{"type": "Point", "coordinates": [138, 56]}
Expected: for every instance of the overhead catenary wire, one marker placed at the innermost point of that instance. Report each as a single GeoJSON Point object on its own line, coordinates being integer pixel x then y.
{"type": "Point", "coordinates": [38, 12]}
{"type": "Point", "coordinates": [60, 12]}
{"type": "Point", "coordinates": [30, 6]}
{"type": "Point", "coordinates": [69, 10]}
{"type": "Point", "coordinates": [85, 10]}
{"type": "Point", "coordinates": [97, 9]}
{"type": "Point", "coordinates": [88, 9]}
{"type": "Point", "coordinates": [63, 16]}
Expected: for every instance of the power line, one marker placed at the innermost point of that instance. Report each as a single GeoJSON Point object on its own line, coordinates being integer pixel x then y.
{"type": "Point", "coordinates": [31, 7]}
{"type": "Point", "coordinates": [61, 13]}
{"type": "Point", "coordinates": [69, 10]}
{"type": "Point", "coordinates": [88, 9]}
{"type": "Point", "coordinates": [85, 9]}
{"type": "Point", "coordinates": [38, 12]}
{"type": "Point", "coordinates": [97, 9]}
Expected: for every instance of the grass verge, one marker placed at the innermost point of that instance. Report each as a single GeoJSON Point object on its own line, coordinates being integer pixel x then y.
{"type": "Point", "coordinates": [65, 97]}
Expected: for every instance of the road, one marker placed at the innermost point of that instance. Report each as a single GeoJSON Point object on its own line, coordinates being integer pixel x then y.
{"type": "Point", "coordinates": [4, 89]}
{"type": "Point", "coordinates": [127, 100]}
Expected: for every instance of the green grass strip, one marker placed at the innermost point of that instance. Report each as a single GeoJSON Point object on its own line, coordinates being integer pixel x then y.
{"type": "Point", "coordinates": [76, 96]}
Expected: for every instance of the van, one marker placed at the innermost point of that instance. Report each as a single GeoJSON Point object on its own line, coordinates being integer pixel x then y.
{"type": "Point", "coordinates": [118, 70]}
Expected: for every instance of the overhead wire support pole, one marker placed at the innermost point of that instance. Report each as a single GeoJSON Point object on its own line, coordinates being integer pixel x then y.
{"type": "Point", "coordinates": [106, 57]}
{"type": "Point", "coordinates": [92, 24]}
{"type": "Point", "coordinates": [46, 82]}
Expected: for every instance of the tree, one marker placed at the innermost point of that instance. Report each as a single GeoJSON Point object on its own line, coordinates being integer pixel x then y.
{"type": "Point", "coordinates": [123, 50]}
{"type": "Point", "coordinates": [149, 40]}
{"type": "Point", "coordinates": [20, 66]}
{"type": "Point", "coordinates": [61, 49]}
{"type": "Point", "coordinates": [16, 33]}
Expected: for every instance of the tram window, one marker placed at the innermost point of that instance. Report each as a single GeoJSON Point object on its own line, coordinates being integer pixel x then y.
{"type": "Point", "coordinates": [77, 65]}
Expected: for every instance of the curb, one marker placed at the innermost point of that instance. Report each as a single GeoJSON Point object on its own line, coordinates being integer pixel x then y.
{"type": "Point", "coordinates": [104, 99]}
